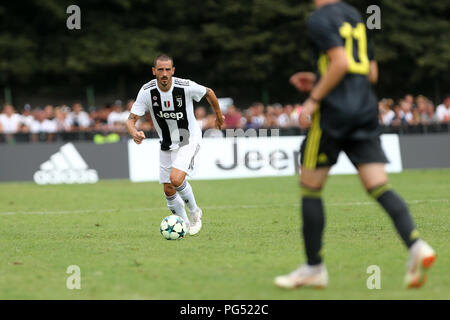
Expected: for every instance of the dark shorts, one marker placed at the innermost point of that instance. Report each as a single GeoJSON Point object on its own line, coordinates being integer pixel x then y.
{"type": "Point", "coordinates": [322, 151]}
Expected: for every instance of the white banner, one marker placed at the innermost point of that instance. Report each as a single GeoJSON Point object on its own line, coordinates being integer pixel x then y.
{"type": "Point", "coordinates": [227, 158]}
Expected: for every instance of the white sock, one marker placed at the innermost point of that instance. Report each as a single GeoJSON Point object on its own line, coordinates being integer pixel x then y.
{"type": "Point", "coordinates": [176, 205]}
{"type": "Point", "coordinates": [185, 191]}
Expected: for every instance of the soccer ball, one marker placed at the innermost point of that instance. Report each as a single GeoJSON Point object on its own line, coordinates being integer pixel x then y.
{"type": "Point", "coordinates": [173, 227]}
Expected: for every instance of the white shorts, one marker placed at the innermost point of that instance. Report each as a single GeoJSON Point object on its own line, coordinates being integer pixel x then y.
{"type": "Point", "coordinates": [184, 159]}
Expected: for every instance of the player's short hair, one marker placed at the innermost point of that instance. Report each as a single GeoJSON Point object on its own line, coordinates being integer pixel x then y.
{"type": "Point", "coordinates": [162, 57]}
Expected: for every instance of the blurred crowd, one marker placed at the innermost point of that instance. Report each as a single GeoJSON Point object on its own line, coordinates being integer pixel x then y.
{"type": "Point", "coordinates": [254, 117]}
{"type": "Point", "coordinates": [413, 111]}
{"type": "Point", "coordinates": [409, 110]}
{"type": "Point", "coordinates": [51, 120]}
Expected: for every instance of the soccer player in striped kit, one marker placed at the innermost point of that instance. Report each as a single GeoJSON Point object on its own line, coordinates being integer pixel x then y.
{"type": "Point", "coordinates": [170, 103]}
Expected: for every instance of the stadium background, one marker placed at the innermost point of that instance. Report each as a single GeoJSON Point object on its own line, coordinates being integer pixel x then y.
{"type": "Point", "coordinates": [245, 50]}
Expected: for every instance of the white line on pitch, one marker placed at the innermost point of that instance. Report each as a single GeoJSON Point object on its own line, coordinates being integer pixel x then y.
{"type": "Point", "coordinates": [224, 207]}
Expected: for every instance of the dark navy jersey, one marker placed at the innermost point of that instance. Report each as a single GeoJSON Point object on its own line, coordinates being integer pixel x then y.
{"type": "Point", "coordinates": [350, 110]}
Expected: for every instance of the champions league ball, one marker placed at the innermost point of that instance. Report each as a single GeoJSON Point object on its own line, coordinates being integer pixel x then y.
{"type": "Point", "coordinates": [173, 227]}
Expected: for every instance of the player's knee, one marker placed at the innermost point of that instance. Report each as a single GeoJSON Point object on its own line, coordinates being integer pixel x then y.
{"type": "Point", "coordinates": [310, 183]}
{"type": "Point", "coordinates": [169, 190]}
{"type": "Point", "coordinates": [314, 179]}
{"type": "Point", "coordinates": [176, 180]}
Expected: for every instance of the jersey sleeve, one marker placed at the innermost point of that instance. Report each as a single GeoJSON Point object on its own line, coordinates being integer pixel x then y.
{"type": "Point", "coordinates": [197, 91]}
{"type": "Point", "coordinates": [140, 105]}
{"type": "Point", "coordinates": [323, 33]}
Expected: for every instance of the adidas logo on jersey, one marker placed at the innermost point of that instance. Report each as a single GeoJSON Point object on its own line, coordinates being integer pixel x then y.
{"type": "Point", "coordinates": [170, 115]}
{"type": "Point", "coordinates": [65, 166]}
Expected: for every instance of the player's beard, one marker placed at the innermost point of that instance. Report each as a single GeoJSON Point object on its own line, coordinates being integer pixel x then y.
{"type": "Point", "coordinates": [162, 83]}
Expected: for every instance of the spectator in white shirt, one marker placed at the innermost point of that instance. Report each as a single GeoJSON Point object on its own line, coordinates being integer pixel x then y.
{"type": "Point", "coordinates": [26, 118]}
{"type": "Point", "coordinates": [61, 114]}
{"type": "Point", "coordinates": [78, 120]}
{"type": "Point", "coordinates": [284, 118]}
{"type": "Point", "coordinates": [410, 99]}
{"type": "Point", "coordinates": [429, 117]}
{"type": "Point", "coordinates": [49, 112]}
{"type": "Point", "coordinates": [406, 108]}
{"type": "Point", "coordinates": [115, 118]}
{"type": "Point", "coordinates": [42, 124]}
{"type": "Point", "coordinates": [9, 120]}
{"type": "Point", "coordinates": [281, 120]}
{"type": "Point", "coordinates": [386, 114]}
{"type": "Point", "coordinates": [443, 111]}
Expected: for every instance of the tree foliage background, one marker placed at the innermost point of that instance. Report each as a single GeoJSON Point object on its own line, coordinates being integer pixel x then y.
{"type": "Point", "coordinates": [243, 49]}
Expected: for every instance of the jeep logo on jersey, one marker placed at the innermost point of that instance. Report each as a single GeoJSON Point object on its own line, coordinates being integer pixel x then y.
{"type": "Point", "coordinates": [65, 166]}
{"type": "Point", "coordinates": [170, 115]}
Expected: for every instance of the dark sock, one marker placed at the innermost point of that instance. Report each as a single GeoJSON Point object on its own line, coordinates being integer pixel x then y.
{"type": "Point", "coordinates": [398, 211]}
{"type": "Point", "coordinates": [313, 224]}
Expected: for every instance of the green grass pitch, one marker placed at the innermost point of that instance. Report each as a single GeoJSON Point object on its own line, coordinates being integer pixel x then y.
{"type": "Point", "coordinates": [251, 233]}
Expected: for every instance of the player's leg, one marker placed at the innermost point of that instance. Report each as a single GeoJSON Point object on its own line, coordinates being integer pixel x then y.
{"type": "Point", "coordinates": [183, 165]}
{"type": "Point", "coordinates": [374, 179]}
{"type": "Point", "coordinates": [369, 158]}
{"type": "Point", "coordinates": [313, 215]}
{"type": "Point", "coordinates": [314, 272]}
{"type": "Point", "coordinates": [422, 256]}
{"type": "Point", "coordinates": [174, 201]}
{"type": "Point", "coordinates": [319, 153]}
{"type": "Point", "coordinates": [183, 187]}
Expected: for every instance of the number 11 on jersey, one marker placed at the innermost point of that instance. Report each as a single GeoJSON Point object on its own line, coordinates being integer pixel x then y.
{"type": "Point", "coordinates": [359, 34]}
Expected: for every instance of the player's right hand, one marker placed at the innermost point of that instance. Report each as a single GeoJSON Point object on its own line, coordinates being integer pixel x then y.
{"type": "Point", "coordinates": [138, 137]}
{"type": "Point", "coordinates": [220, 119]}
{"type": "Point", "coordinates": [304, 119]}
{"type": "Point", "coordinates": [303, 81]}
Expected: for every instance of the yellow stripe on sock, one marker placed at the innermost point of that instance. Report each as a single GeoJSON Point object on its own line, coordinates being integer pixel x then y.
{"type": "Point", "coordinates": [321, 253]}
{"type": "Point", "coordinates": [310, 193]}
{"type": "Point", "coordinates": [414, 235]}
{"type": "Point", "coordinates": [379, 191]}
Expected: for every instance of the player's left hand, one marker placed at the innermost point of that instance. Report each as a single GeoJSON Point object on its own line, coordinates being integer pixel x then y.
{"type": "Point", "coordinates": [219, 121]}
{"type": "Point", "coordinates": [138, 137]}
{"type": "Point", "coordinates": [303, 81]}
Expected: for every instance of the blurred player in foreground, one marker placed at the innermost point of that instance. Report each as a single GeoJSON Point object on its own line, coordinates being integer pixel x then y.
{"type": "Point", "coordinates": [170, 102]}
{"type": "Point", "coordinates": [342, 115]}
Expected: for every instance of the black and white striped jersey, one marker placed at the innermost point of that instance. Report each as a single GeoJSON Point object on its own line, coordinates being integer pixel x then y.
{"type": "Point", "coordinates": [172, 111]}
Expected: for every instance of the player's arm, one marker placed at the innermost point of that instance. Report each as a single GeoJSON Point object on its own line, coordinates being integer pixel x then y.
{"type": "Point", "coordinates": [214, 103]}
{"type": "Point", "coordinates": [373, 72]}
{"type": "Point", "coordinates": [337, 70]}
{"type": "Point", "coordinates": [137, 136]}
